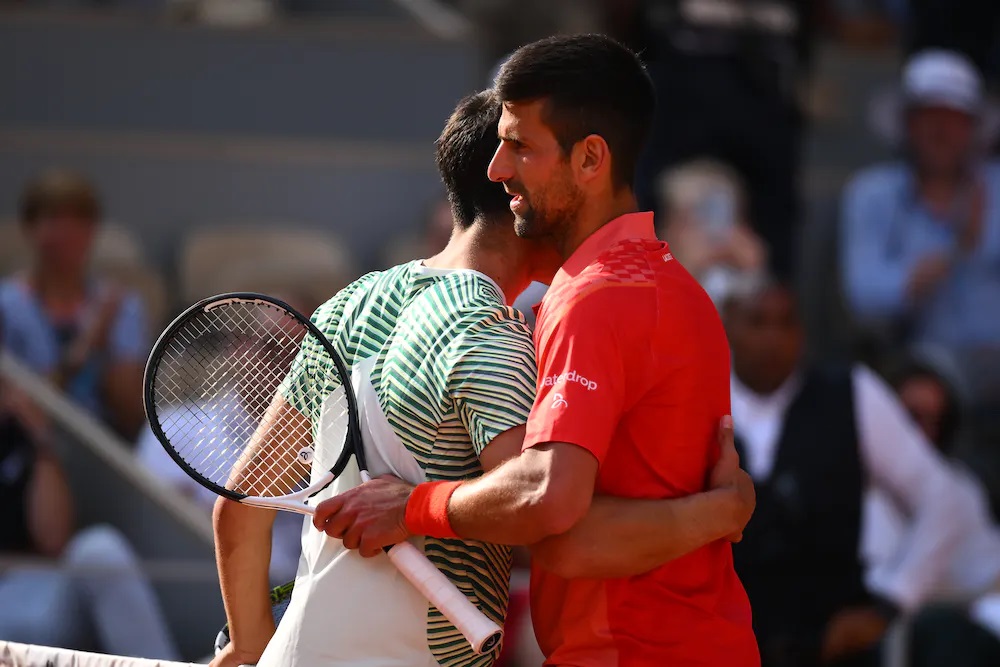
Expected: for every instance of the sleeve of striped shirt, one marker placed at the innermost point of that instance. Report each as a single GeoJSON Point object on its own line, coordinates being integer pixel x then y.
{"type": "Point", "coordinates": [299, 387]}
{"type": "Point", "coordinates": [492, 380]}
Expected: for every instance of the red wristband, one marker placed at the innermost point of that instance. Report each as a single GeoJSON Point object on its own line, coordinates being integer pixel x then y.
{"type": "Point", "coordinates": [427, 509]}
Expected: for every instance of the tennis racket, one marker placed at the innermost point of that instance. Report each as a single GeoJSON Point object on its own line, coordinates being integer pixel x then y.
{"type": "Point", "coordinates": [252, 401]}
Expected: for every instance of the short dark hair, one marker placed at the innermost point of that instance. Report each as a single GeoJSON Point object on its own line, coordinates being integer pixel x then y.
{"type": "Point", "coordinates": [592, 85]}
{"type": "Point", "coordinates": [912, 366]}
{"type": "Point", "coordinates": [463, 154]}
{"type": "Point", "coordinates": [59, 191]}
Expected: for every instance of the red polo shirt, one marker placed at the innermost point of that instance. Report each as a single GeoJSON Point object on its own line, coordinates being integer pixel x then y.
{"type": "Point", "coordinates": [633, 366]}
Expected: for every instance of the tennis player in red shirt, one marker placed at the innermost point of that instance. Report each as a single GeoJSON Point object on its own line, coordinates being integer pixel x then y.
{"type": "Point", "coordinates": [630, 352]}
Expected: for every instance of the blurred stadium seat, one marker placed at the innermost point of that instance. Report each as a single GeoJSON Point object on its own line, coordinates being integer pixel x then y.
{"type": "Point", "coordinates": [312, 265]}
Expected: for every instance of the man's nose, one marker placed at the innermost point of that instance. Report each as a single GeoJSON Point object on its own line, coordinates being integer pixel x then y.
{"type": "Point", "coordinates": [500, 166]}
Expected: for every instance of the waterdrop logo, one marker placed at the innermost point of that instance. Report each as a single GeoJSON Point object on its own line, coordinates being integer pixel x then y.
{"type": "Point", "coordinates": [572, 376]}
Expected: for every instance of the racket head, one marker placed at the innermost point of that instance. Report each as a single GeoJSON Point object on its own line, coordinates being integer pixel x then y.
{"type": "Point", "coordinates": [213, 376]}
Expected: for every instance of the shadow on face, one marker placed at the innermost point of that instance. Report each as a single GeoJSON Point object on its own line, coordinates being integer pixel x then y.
{"type": "Point", "coordinates": [535, 171]}
{"type": "Point", "coordinates": [61, 241]}
{"type": "Point", "coordinates": [940, 139]}
{"type": "Point", "coordinates": [766, 337]}
{"type": "Point", "coordinates": [926, 399]}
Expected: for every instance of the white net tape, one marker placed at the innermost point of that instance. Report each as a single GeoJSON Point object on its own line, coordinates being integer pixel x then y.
{"type": "Point", "coordinates": [30, 655]}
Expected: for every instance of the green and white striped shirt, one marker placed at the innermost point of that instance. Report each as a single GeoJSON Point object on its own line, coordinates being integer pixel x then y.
{"type": "Point", "coordinates": [441, 367]}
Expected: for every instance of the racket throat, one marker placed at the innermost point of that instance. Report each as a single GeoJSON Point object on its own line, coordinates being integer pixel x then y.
{"type": "Point", "coordinates": [286, 504]}
{"type": "Point", "coordinates": [295, 502]}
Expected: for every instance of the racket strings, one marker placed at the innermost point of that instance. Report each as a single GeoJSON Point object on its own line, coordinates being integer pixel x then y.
{"type": "Point", "coordinates": [228, 399]}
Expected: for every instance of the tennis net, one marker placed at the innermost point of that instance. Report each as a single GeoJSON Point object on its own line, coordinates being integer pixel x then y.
{"type": "Point", "coordinates": [30, 655]}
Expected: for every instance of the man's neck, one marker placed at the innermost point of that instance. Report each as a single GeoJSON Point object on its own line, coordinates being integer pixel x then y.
{"type": "Point", "coordinates": [592, 216]}
{"type": "Point", "coordinates": [492, 251]}
{"type": "Point", "coordinates": [939, 189]}
{"type": "Point", "coordinates": [761, 388]}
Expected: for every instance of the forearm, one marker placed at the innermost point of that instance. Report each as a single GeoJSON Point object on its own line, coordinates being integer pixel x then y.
{"type": "Point", "coordinates": [938, 529]}
{"type": "Point", "coordinates": [243, 554]}
{"type": "Point", "coordinates": [520, 502]}
{"type": "Point", "coordinates": [503, 507]}
{"type": "Point", "coordinates": [50, 508]}
{"type": "Point", "coordinates": [123, 395]}
{"type": "Point", "coordinates": [621, 537]}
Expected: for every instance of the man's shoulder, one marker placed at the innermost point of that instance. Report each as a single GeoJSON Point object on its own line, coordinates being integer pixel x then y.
{"type": "Point", "coordinates": [621, 280]}
{"type": "Point", "coordinates": [882, 178]}
{"type": "Point", "coordinates": [333, 308]}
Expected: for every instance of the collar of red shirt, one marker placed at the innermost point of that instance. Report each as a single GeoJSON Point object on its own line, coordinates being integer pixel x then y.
{"type": "Point", "coordinates": [628, 226]}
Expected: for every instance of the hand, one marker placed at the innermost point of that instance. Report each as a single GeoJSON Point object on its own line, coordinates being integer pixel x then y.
{"type": "Point", "coordinates": [928, 274]}
{"type": "Point", "coordinates": [727, 475]}
{"type": "Point", "coordinates": [367, 517]}
{"type": "Point", "coordinates": [230, 657]}
{"type": "Point", "coordinates": [93, 335]}
{"type": "Point", "coordinates": [852, 631]}
{"type": "Point", "coordinates": [13, 401]}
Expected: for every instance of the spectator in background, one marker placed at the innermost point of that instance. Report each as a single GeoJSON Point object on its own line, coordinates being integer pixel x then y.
{"type": "Point", "coordinates": [959, 619]}
{"type": "Point", "coordinates": [93, 594]}
{"type": "Point", "coordinates": [728, 75]}
{"type": "Point", "coordinates": [706, 227]}
{"type": "Point", "coordinates": [86, 334]}
{"type": "Point", "coordinates": [928, 386]}
{"type": "Point", "coordinates": [816, 442]}
{"type": "Point", "coordinates": [921, 236]}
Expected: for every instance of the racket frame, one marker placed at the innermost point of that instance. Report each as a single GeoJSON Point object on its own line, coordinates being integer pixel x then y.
{"type": "Point", "coordinates": [482, 633]}
{"type": "Point", "coordinates": [295, 502]}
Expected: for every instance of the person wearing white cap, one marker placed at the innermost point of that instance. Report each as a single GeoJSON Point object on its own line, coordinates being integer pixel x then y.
{"type": "Point", "coordinates": [920, 237]}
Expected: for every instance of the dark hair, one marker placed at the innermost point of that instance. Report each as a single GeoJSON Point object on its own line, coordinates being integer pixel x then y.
{"type": "Point", "coordinates": [751, 288]}
{"type": "Point", "coordinates": [463, 154]}
{"type": "Point", "coordinates": [591, 85]}
{"type": "Point", "coordinates": [912, 367]}
{"type": "Point", "coordinates": [58, 191]}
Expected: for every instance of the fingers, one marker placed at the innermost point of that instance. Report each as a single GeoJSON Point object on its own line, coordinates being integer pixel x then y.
{"type": "Point", "coordinates": [727, 439]}
{"type": "Point", "coordinates": [326, 510]}
{"type": "Point", "coordinates": [352, 538]}
{"type": "Point", "coordinates": [726, 429]}
{"type": "Point", "coordinates": [369, 548]}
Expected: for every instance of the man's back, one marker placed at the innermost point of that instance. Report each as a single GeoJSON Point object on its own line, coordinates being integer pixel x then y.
{"type": "Point", "coordinates": [440, 367]}
{"type": "Point", "coordinates": [655, 395]}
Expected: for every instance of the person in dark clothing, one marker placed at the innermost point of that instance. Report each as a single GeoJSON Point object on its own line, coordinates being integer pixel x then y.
{"type": "Point", "coordinates": [817, 441]}
{"type": "Point", "coordinates": [93, 593]}
{"type": "Point", "coordinates": [727, 75]}
{"type": "Point", "coordinates": [971, 27]}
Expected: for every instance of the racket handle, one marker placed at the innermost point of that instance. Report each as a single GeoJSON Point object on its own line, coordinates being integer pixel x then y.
{"type": "Point", "coordinates": [482, 633]}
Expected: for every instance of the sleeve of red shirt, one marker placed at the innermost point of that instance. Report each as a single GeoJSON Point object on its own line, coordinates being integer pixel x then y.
{"type": "Point", "coordinates": [581, 377]}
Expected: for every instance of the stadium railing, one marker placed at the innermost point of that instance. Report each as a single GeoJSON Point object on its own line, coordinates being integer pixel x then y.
{"type": "Point", "coordinates": [171, 534]}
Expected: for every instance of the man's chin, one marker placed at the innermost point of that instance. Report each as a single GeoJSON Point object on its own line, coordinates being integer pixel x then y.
{"type": "Point", "coordinates": [524, 229]}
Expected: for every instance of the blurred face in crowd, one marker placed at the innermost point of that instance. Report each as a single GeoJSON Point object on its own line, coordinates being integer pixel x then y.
{"type": "Point", "coordinates": [926, 399]}
{"type": "Point", "coordinates": [61, 240]}
{"type": "Point", "coordinates": [766, 337]}
{"type": "Point", "coordinates": [535, 170]}
{"type": "Point", "coordinates": [940, 139]}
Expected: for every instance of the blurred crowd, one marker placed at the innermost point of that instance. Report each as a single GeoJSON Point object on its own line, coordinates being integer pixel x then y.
{"type": "Point", "coordinates": [875, 540]}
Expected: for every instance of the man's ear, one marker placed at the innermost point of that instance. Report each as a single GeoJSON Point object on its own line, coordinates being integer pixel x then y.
{"type": "Point", "coordinates": [592, 157]}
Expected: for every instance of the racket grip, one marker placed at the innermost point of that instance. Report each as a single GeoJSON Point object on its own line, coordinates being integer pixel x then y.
{"type": "Point", "coordinates": [482, 633]}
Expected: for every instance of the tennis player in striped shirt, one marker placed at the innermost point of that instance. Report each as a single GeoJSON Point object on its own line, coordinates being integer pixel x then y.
{"type": "Point", "coordinates": [445, 375]}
